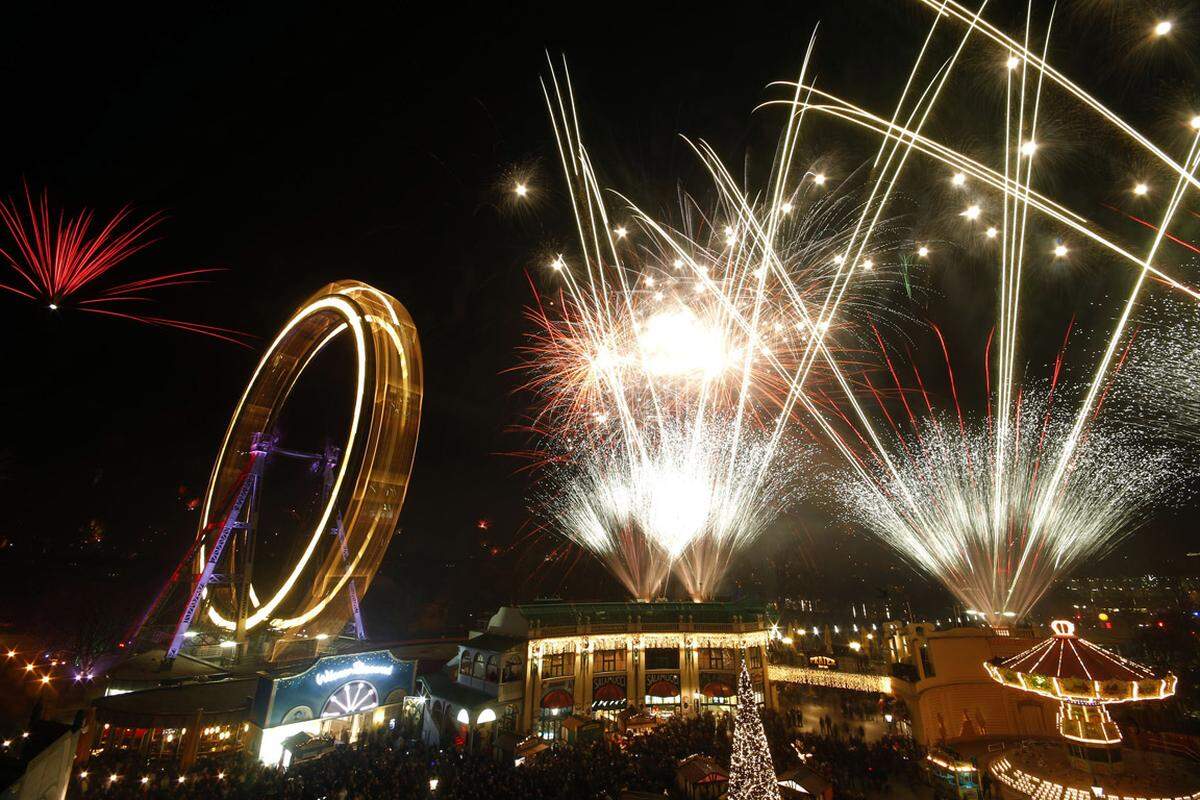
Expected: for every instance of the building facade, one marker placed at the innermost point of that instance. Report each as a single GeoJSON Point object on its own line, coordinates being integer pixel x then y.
{"type": "Point", "coordinates": [537, 665]}
{"type": "Point", "coordinates": [948, 692]}
{"type": "Point", "coordinates": [335, 697]}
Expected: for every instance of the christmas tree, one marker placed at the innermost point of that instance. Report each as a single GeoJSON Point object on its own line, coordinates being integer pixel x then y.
{"type": "Point", "coordinates": [751, 772]}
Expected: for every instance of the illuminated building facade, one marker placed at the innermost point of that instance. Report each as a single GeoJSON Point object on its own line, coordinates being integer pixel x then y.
{"type": "Point", "coordinates": [949, 695]}
{"type": "Point", "coordinates": [538, 665]}
{"type": "Point", "coordinates": [335, 697]}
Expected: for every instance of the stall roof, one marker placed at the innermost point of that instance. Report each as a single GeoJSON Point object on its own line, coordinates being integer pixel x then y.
{"type": "Point", "coordinates": [442, 687]}
{"type": "Point", "coordinates": [176, 706]}
{"type": "Point", "coordinates": [148, 666]}
{"type": "Point", "coordinates": [493, 643]}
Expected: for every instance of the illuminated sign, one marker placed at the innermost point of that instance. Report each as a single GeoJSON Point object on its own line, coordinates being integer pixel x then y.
{"type": "Point", "coordinates": [357, 668]}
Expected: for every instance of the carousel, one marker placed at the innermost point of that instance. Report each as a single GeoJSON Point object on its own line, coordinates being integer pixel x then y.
{"type": "Point", "coordinates": [1089, 762]}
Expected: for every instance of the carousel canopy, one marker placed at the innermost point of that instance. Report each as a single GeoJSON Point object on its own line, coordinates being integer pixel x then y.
{"type": "Point", "coordinates": [1068, 668]}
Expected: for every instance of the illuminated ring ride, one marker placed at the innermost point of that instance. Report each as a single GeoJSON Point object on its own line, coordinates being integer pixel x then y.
{"type": "Point", "coordinates": [372, 474]}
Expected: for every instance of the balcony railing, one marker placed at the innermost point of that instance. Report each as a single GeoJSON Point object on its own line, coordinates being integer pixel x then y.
{"type": "Point", "coordinates": [583, 628]}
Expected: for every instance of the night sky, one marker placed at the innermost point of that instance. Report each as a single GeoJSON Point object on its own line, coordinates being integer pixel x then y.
{"type": "Point", "coordinates": [292, 146]}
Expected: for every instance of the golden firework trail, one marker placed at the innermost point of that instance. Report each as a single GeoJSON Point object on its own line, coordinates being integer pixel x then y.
{"type": "Point", "coordinates": [660, 369]}
{"type": "Point", "coordinates": [897, 488]}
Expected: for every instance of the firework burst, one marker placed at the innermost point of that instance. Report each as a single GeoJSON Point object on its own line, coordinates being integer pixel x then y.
{"type": "Point", "coordinates": [684, 494]}
{"type": "Point", "coordinates": [1041, 524]}
{"type": "Point", "coordinates": [940, 505]}
{"type": "Point", "coordinates": [664, 374]}
{"type": "Point", "coordinates": [63, 261]}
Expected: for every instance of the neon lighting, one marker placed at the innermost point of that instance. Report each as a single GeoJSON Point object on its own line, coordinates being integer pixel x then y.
{"type": "Point", "coordinates": [357, 668]}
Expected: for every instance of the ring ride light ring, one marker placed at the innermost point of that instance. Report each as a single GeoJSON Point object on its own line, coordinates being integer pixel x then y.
{"type": "Point", "coordinates": [373, 473]}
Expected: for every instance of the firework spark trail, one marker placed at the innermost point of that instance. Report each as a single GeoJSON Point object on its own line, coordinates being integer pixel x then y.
{"type": "Point", "coordinates": [1015, 185]}
{"type": "Point", "coordinates": [1043, 512]}
{"type": "Point", "coordinates": [1166, 355]}
{"type": "Point", "coordinates": [963, 14]}
{"type": "Point", "coordinates": [695, 338]}
{"type": "Point", "coordinates": [666, 500]}
{"type": "Point", "coordinates": [60, 261]}
{"type": "Point", "coordinates": [950, 533]}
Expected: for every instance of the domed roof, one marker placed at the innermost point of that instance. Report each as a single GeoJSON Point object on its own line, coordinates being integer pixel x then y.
{"type": "Point", "coordinates": [1069, 668]}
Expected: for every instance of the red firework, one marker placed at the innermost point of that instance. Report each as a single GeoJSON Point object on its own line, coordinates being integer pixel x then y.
{"type": "Point", "coordinates": [60, 261]}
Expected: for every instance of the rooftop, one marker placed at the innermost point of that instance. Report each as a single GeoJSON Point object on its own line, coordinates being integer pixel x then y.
{"type": "Point", "coordinates": [1064, 655]}
{"type": "Point", "coordinates": [443, 687]}
{"type": "Point", "coordinates": [552, 613]}
{"type": "Point", "coordinates": [177, 706]}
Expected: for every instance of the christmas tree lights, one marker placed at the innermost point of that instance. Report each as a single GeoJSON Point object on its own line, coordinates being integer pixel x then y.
{"type": "Point", "coordinates": [751, 772]}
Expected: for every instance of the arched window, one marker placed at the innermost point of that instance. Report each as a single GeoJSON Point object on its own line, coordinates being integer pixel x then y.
{"type": "Point", "coordinates": [466, 664]}
{"type": "Point", "coordinates": [479, 671]}
{"type": "Point", "coordinates": [493, 669]}
{"type": "Point", "coordinates": [514, 668]}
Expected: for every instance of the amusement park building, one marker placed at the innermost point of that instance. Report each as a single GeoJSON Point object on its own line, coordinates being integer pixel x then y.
{"type": "Point", "coordinates": [269, 713]}
{"type": "Point", "coordinates": [948, 692]}
{"type": "Point", "coordinates": [538, 665]}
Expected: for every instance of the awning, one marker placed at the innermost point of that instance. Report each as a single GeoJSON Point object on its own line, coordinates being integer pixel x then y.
{"type": "Point", "coordinates": [663, 689]}
{"type": "Point", "coordinates": [558, 698]}
{"type": "Point", "coordinates": [717, 689]}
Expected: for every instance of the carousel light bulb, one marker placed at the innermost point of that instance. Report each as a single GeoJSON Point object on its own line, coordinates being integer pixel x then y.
{"type": "Point", "coordinates": [1196, 122]}
{"type": "Point", "coordinates": [677, 263]}
{"type": "Point", "coordinates": [557, 264]}
{"type": "Point", "coordinates": [1029, 148]}
{"type": "Point", "coordinates": [868, 265]}
{"type": "Point", "coordinates": [839, 258]}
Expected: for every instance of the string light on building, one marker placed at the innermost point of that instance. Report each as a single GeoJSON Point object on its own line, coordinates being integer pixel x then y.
{"type": "Point", "coordinates": [854, 681]}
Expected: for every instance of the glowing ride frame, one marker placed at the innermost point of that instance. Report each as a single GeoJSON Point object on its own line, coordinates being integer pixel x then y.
{"type": "Point", "coordinates": [372, 476]}
{"type": "Point", "coordinates": [1083, 703]}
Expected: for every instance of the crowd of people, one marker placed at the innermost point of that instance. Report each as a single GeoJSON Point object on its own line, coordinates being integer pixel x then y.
{"type": "Point", "coordinates": [386, 766]}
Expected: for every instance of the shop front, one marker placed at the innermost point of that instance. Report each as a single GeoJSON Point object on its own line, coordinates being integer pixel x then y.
{"type": "Point", "coordinates": [338, 699]}
{"type": "Point", "coordinates": [609, 699]}
{"type": "Point", "coordinates": [662, 695]}
{"type": "Point", "coordinates": [716, 695]}
{"type": "Point", "coordinates": [557, 704]}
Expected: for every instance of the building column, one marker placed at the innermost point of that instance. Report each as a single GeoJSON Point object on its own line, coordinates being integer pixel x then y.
{"type": "Point", "coordinates": [583, 683]}
{"type": "Point", "coordinates": [190, 744]}
{"type": "Point", "coordinates": [634, 670]}
{"type": "Point", "coordinates": [533, 691]}
{"type": "Point", "coordinates": [689, 677]}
